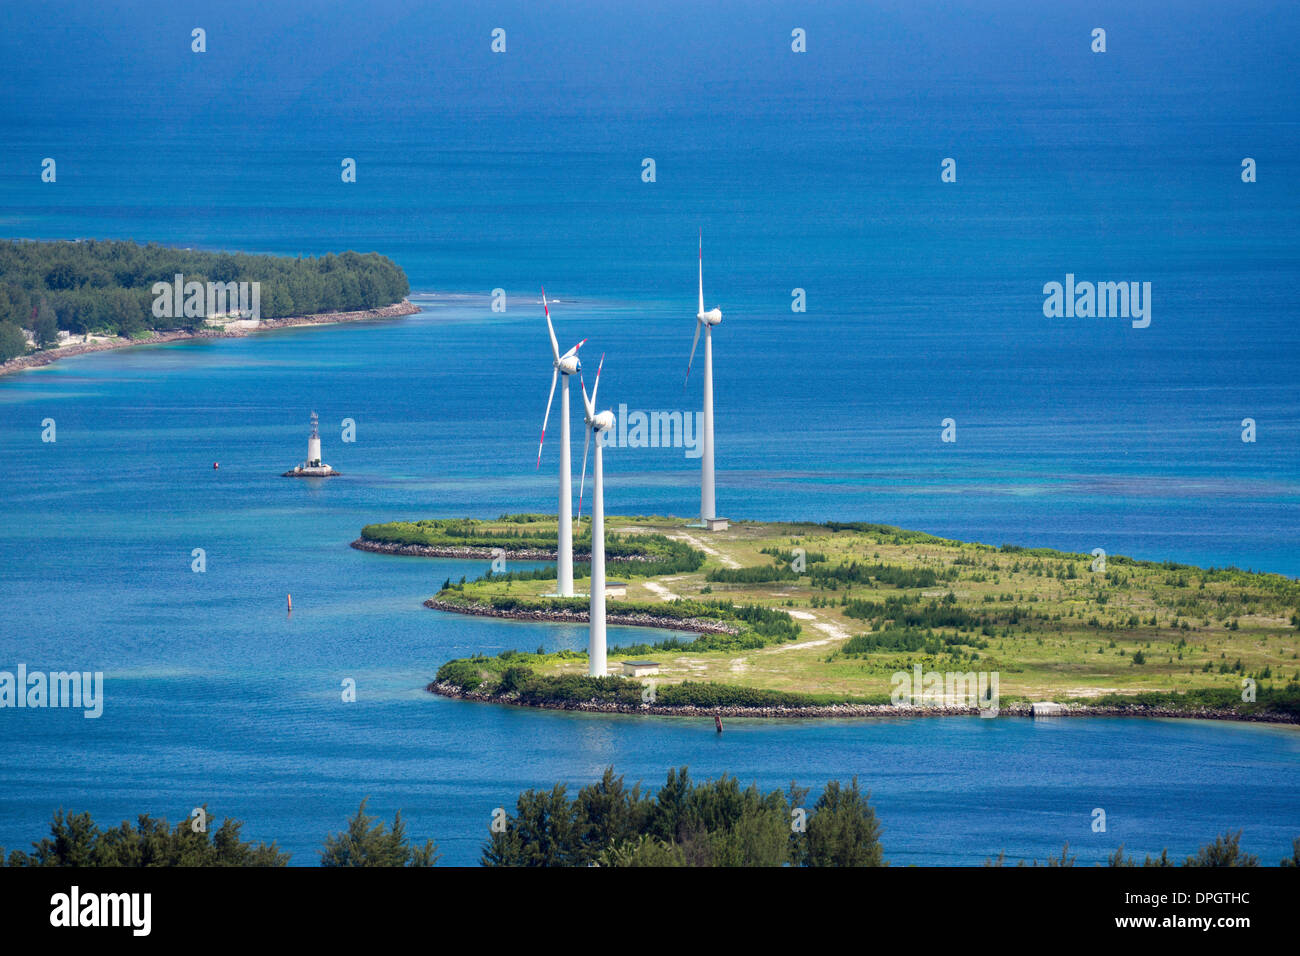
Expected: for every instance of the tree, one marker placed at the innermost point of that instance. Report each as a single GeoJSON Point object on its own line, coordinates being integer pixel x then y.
{"type": "Point", "coordinates": [368, 843]}
{"type": "Point", "coordinates": [45, 327]}
{"type": "Point", "coordinates": [75, 840]}
{"type": "Point", "coordinates": [12, 341]}
{"type": "Point", "coordinates": [645, 851]}
{"type": "Point", "coordinates": [540, 833]}
{"type": "Point", "coordinates": [607, 814]}
{"type": "Point", "coordinates": [1294, 859]}
{"type": "Point", "coordinates": [842, 829]}
{"type": "Point", "coordinates": [1224, 851]}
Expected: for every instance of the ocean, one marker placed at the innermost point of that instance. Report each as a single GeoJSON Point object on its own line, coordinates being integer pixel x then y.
{"type": "Point", "coordinates": [476, 172]}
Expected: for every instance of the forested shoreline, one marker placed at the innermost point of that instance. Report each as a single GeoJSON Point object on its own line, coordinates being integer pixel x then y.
{"type": "Point", "coordinates": [106, 287]}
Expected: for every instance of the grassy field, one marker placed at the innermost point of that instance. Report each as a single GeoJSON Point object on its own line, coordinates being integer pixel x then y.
{"type": "Point", "coordinates": [872, 600]}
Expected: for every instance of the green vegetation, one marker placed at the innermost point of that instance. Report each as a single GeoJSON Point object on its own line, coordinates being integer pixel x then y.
{"type": "Point", "coordinates": [1224, 851]}
{"type": "Point", "coordinates": [368, 843]}
{"type": "Point", "coordinates": [12, 341]}
{"type": "Point", "coordinates": [749, 625]}
{"type": "Point", "coordinates": [75, 840]}
{"type": "Point", "coordinates": [685, 823]}
{"type": "Point", "coordinates": [870, 601]}
{"type": "Point", "coordinates": [510, 678]}
{"type": "Point", "coordinates": [644, 555]}
{"type": "Point", "coordinates": [106, 287]}
{"type": "Point", "coordinates": [608, 823]}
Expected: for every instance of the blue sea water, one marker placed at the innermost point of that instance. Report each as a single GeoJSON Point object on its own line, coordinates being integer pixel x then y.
{"type": "Point", "coordinates": [476, 171]}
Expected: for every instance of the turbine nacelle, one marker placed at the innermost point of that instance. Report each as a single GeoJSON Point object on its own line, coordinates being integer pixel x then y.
{"type": "Point", "coordinates": [702, 319]}
{"type": "Point", "coordinates": [603, 421]}
{"type": "Point", "coordinates": [566, 365]}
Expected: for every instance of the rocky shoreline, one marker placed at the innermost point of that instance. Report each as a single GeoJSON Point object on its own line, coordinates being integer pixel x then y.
{"type": "Point", "coordinates": [580, 617]}
{"type": "Point", "coordinates": [822, 711]}
{"type": "Point", "coordinates": [46, 357]}
{"type": "Point", "coordinates": [452, 551]}
{"type": "Point", "coordinates": [466, 551]}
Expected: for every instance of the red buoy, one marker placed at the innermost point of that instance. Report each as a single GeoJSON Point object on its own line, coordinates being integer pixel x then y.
{"type": "Point", "coordinates": [214, 466]}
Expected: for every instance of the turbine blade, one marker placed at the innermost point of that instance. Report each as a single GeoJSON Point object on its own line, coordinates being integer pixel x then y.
{"type": "Point", "coordinates": [586, 402]}
{"type": "Point", "coordinates": [701, 270]}
{"type": "Point", "coordinates": [554, 377]}
{"type": "Point", "coordinates": [574, 350]}
{"type": "Point", "coordinates": [555, 346]}
{"type": "Point", "coordinates": [596, 387]}
{"type": "Point", "coordinates": [586, 446]}
{"type": "Point", "coordinates": [691, 360]}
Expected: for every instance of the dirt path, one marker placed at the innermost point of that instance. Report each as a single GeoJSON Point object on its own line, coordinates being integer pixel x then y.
{"type": "Point", "coordinates": [695, 542]}
{"type": "Point", "coordinates": [836, 632]}
{"type": "Point", "coordinates": [662, 592]}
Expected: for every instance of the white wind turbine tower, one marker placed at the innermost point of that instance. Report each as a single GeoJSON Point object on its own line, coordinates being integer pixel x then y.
{"type": "Point", "coordinates": [706, 320]}
{"type": "Point", "coordinates": [565, 365]}
{"type": "Point", "coordinates": [596, 423]}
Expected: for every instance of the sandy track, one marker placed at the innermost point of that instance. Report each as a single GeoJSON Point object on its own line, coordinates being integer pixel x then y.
{"type": "Point", "coordinates": [695, 542]}
{"type": "Point", "coordinates": [662, 592]}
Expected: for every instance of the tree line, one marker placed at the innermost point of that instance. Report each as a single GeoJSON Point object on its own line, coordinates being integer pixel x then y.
{"type": "Point", "coordinates": [607, 823]}
{"type": "Point", "coordinates": [106, 286]}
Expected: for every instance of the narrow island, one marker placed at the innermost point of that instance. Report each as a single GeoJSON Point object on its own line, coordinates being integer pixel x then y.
{"type": "Point", "coordinates": [59, 299]}
{"type": "Point", "coordinates": [819, 620]}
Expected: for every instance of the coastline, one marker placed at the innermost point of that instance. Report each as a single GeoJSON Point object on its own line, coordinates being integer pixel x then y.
{"type": "Point", "coordinates": [694, 625]}
{"type": "Point", "coordinates": [49, 356]}
{"type": "Point", "coordinates": [842, 711]}
{"type": "Point", "coordinates": [448, 551]}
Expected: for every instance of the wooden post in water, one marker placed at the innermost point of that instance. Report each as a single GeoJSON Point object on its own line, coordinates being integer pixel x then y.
{"type": "Point", "coordinates": [717, 722]}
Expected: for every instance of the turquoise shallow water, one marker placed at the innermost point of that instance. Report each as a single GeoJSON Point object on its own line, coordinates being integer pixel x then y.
{"type": "Point", "coordinates": [924, 302]}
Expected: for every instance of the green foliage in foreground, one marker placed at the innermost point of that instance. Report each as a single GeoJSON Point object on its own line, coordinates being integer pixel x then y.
{"type": "Point", "coordinates": [1224, 851]}
{"type": "Point", "coordinates": [715, 823]}
{"type": "Point", "coordinates": [75, 840]}
{"type": "Point", "coordinates": [107, 286]}
{"type": "Point", "coordinates": [367, 842]}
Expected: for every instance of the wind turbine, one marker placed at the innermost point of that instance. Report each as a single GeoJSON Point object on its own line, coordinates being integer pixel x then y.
{"type": "Point", "coordinates": [596, 422]}
{"type": "Point", "coordinates": [705, 320]}
{"type": "Point", "coordinates": [565, 365]}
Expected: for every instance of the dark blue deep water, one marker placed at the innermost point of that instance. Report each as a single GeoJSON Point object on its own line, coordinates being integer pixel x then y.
{"type": "Point", "coordinates": [476, 171]}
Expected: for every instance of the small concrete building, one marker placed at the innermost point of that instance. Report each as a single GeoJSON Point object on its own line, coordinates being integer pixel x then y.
{"type": "Point", "coordinates": [715, 524]}
{"type": "Point", "coordinates": [639, 668]}
{"type": "Point", "coordinates": [616, 589]}
{"type": "Point", "coordinates": [1047, 708]}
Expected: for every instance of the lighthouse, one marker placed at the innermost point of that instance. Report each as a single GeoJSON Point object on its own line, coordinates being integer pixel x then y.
{"type": "Point", "coordinates": [313, 443]}
{"type": "Point", "coordinates": [313, 467]}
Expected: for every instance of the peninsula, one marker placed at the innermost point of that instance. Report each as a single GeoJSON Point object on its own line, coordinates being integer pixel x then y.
{"type": "Point", "coordinates": [59, 299]}
{"type": "Point", "coordinates": [801, 619]}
